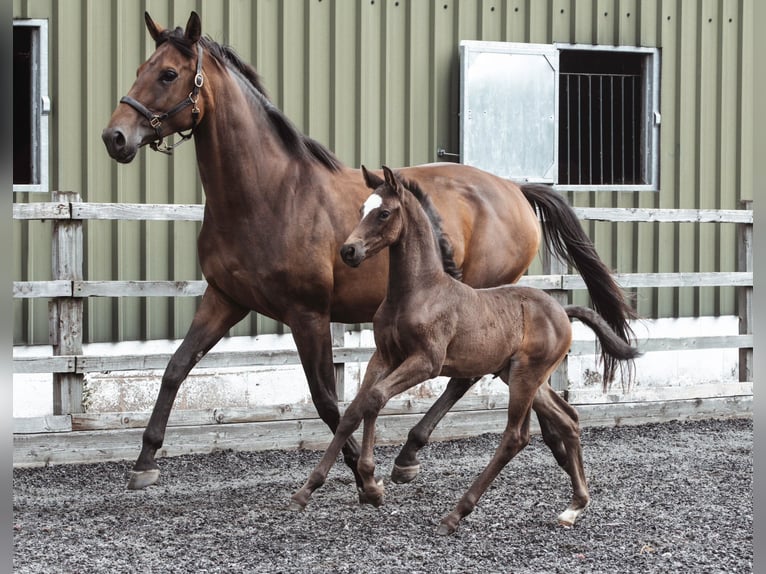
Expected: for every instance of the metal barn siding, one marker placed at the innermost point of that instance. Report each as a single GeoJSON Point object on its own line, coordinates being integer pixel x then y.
{"type": "Point", "coordinates": [378, 82]}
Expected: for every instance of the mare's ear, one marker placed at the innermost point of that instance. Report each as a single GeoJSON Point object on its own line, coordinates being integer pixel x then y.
{"type": "Point", "coordinates": [193, 28]}
{"type": "Point", "coordinates": [370, 179]}
{"type": "Point", "coordinates": [154, 29]}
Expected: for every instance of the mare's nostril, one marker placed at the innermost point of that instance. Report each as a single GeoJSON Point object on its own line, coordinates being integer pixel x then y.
{"type": "Point", "coordinates": [114, 139]}
{"type": "Point", "coordinates": [118, 139]}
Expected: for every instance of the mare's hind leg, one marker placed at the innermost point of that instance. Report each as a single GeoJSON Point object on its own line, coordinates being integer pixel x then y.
{"type": "Point", "coordinates": [561, 432]}
{"type": "Point", "coordinates": [406, 465]}
{"type": "Point", "coordinates": [214, 317]}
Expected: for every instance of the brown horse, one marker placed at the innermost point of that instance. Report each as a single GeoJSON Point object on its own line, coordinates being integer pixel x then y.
{"type": "Point", "coordinates": [431, 324]}
{"type": "Point", "coordinates": [278, 207]}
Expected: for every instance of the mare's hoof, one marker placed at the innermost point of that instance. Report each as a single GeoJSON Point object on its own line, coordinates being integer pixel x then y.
{"type": "Point", "coordinates": [404, 474]}
{"type": "Point", "coordinates": [445, 530]}
{"type": "Point", "coordinates": [296, 506]}
{"type": "Point", "coordinates": [140, 479]}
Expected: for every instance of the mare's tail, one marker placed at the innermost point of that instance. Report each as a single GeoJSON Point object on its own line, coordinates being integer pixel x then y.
{"type": "Point", "coordinates": [565, 237]}
{"type": "Point", "coordinates": [613, 347]}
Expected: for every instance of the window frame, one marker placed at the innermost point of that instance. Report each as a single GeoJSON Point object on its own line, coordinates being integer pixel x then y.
{"type": "Point", "coordinates": [650, 127]}
{"type": "Point", "coordinates": [41, 107]}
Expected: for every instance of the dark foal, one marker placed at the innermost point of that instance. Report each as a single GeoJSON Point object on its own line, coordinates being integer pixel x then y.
{"type": "Point", "coordinates": [431, 324]}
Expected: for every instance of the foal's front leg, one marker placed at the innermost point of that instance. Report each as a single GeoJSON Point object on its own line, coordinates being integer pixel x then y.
{"type": "Point", "coordinates": [415, 369]}
{"type": "Point", "coordinates": [372, 491]}
{"type": "Point", "coordinates": [349, 422]}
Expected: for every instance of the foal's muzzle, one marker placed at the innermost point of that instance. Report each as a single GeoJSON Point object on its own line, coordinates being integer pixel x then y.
{"type": "Point", "coordinates": [352, 254]}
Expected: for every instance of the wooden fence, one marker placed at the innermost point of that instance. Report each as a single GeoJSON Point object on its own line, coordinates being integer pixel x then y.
{"type": "Point", "coordinates": [71, 435]}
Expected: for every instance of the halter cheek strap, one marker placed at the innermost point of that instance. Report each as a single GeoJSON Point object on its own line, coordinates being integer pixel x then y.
{"type": "Point", "coordinates": [155, 120]}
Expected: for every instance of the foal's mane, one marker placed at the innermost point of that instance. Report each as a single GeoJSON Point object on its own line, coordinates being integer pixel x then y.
{"type": "Point", "coordinates": [445, 246]}
{"type": "Point", "coordinates": [299, 145]}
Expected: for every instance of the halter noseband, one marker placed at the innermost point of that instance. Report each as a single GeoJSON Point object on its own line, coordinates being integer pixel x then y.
{"type": "Point", "coordinates": [155, 120]}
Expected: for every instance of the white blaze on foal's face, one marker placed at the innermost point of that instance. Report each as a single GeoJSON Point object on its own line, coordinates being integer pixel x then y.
{"type": "Point", "coordinates": [373, 202]}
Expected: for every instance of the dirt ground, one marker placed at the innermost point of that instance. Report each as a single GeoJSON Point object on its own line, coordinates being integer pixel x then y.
{"type": "Point", "coordinates": [671, 497]}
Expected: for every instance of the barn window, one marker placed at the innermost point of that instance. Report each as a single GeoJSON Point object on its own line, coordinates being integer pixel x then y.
{"type": "Point", "coordinates": [580, 117]}
{"type": "Point", "coordinates": [31, 105]}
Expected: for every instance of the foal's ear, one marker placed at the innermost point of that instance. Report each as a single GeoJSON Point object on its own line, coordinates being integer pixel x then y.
{"type": "Point", "coordinates": [371, 180]}
{"type": "Point", "coordinates": [193, 28]}
{"type": "Point", "coordinates": [154, 29]}
{"type": "Point", "coordinates": [391, 180]}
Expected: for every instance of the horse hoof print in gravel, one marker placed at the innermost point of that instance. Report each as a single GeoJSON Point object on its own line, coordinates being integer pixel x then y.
{"type": "Point", "coordinates": [140, 479]}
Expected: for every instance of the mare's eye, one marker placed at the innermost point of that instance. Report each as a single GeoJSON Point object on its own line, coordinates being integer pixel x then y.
{"type": "Point", "coordinates": [383, 215]}
{"type": "Point", "coordinates": [168, 76]}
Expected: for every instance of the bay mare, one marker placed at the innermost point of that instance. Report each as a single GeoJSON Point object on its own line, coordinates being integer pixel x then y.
{"type": "Point", "coordinates": [278, 207]}
{"type": "Point", "coordinates": [431, 324]}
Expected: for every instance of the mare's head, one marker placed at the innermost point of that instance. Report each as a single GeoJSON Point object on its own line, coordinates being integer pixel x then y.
{"type": "Point", "coordinates": [381, 222]}
{"type": "Point", "coordinates": [167, 96]}
{"type": "Point", "coordinates": [383, 216]}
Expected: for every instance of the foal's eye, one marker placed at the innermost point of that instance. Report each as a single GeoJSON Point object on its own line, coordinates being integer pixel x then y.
{"type": "Point", "coordinates": [384, 214]}
{"type": "Point", "coordinates": [168, 76]}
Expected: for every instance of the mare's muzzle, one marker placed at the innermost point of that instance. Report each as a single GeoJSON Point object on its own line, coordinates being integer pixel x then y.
{"type": "Point", "coordinates": [352, 254]}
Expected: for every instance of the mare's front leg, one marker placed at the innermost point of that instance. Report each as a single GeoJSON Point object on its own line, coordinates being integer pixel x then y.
{"type": "Point", "coordinates": [346, 426]}
{"type": "Point", "coordinates": [406, 464]}
{"type": "Point", "coordinates": [311, 332]}
{"type": "Point", "coordinates": [214, 317]}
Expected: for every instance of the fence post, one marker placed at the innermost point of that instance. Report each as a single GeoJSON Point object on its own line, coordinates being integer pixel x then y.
{"type": "Point", "coordinates": [338, 332]}
{"type": "Point", "coordinates": [66, 313]}
{"type": "Point", "coordinates": [552, 265]}
{"type": "Point", "coordinates": [745, 294]}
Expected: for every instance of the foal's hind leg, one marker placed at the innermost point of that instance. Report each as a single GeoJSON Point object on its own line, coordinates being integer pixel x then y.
{"type": "Point", "coordinates": [522, 385]}
{"type": "Point", "coordinates": [561, 432]}
{"type": "Point", "coordinates": [214, 317]}
{"type": "Point", "coordinates": [406, 465]}
{"type": "Point", "coordinates": [515, 438]}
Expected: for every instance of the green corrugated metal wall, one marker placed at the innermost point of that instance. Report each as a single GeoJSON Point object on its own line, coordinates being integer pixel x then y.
{"type": "Point", "coordinates": [377, 81]}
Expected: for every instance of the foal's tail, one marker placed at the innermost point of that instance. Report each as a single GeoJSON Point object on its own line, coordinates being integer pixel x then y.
{"type": "Point", "coordinates": [613, 348]}
{"type": "Point", "coordinates": [565, 237]}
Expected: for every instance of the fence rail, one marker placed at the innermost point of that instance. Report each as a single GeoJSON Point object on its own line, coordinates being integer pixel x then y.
{"type": "Point", "coordinates": [68, 364]}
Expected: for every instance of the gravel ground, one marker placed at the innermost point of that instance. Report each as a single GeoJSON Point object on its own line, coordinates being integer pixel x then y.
{"type": "Point", "coordinates": [670, 497]}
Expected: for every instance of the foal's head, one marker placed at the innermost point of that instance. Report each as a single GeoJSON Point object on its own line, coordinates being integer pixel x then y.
{"type": "Point", "coordinates": [382, 220]}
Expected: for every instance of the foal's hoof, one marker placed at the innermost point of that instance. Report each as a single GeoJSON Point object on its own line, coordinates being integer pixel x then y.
{"type": "Point", "coordinates": [142, 478]}
{"type": "Point", "coordinates": [404, 474]}
{"type": "Point", "coordinates": [569, 516]}
{"type": "Point", "coordinates": [445, 529]}
{"type": "Point", "coordinates": [375, 498]}
{"type": "Point", "coordinates": [296, 506]}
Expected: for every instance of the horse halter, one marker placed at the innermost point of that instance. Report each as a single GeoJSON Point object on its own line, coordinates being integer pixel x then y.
{"type": "Point", "coordinates": [155, 120]}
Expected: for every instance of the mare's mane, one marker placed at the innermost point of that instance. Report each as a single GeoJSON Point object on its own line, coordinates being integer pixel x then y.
{"type": "Point", "coordinates": [297, 144]}
{"type": "Point", "coordinates": [445, 246]}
